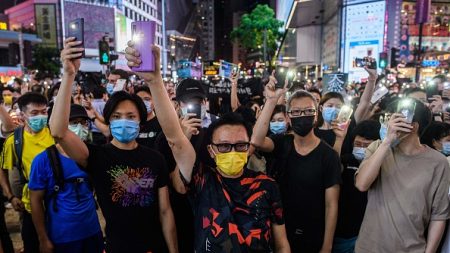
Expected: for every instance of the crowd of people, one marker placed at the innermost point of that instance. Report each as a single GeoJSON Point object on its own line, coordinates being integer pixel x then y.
{"type": "Point", "coordinates": [271, 173]}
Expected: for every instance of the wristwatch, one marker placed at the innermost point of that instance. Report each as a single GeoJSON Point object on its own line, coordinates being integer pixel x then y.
{"type": "Point", "coordinates": [93, 119]}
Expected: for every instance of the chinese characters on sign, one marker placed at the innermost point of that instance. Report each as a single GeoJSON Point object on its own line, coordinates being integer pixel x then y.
{"type": "Point", "coordinates": [46, 24]}
{"type": "Point", "coordinates": [335, 82]}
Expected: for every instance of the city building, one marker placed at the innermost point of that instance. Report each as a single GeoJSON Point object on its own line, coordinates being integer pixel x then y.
{"type": "Point", "coordinates": [144, 10]}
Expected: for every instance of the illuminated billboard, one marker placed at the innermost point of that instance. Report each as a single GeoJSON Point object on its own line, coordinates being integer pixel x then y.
{"type": "Point", "coordinates": [363, 35]}
{"type": "Point", "coordinates": [98, 20]}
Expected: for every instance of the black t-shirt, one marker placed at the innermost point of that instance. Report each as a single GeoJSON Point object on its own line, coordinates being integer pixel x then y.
{"type": "Point", "coordinates": [127, 183]}
{"type": "Point", "coordinates": [149, 132]}
{"type": "Point", "coordinates": [181, 207]}
{"type": "Point", "coordinates": [234, 215]}
{"type": "Point", "coordinates": [352, 202]}
{"type": "Point", "coordinates": [303, 183]}
{"type": "Point", "coordinates": [326, 135]}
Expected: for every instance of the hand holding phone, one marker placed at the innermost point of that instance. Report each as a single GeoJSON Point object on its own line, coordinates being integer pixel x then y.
{"type": "Point", "coordinates": [407, 107]}
{"type": "Point", "coordinates": [379, 94]}
{"type": "Point", "coordinates": [76, 30]}
{"type": "Point", "coordinates": [344, 116]}
{"type": "Point", "coordinates": [195, 109]}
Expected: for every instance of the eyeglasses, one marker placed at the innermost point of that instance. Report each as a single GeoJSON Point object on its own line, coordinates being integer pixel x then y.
{"type": "Point", "coordinates": [299, 112]}
{"type": "Point", "coordinates": [227, 147]}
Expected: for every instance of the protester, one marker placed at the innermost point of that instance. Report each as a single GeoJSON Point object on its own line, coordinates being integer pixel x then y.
{"type": "Point", "coordinates": [190, 92]}
{"type": "Point", "coordinates": [405, 201]}
{"type": "Point", "coordinates": [279, 120]}
{"type": "Point", "coordinates": [32, 139]}
{"type": "Point", "coordinates": [150, 129]}
{"type": "Point", "coordinates": [308, 171]}
{"type": "Point", "coordinates": [98, 105]}
{"type": "Point", "coordinates": [130, 180]}
{"type": "Point", "coordinates": [65, 217]}
{"type": "Point", "coordinates": [316, 94]}
{"type": "Point", "coordinates": [437, 136]}
{"type": "Point", "coordinates": [113, 77]}
{"type": "Point", "coordinates": [352, 202]}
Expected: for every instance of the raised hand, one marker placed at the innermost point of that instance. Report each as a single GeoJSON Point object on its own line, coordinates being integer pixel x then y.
{"type": "Point", "coordinates": [271, 92]}
{"type": "Point", "coordinates": [373, 75]}
{"type": "Point", "coordinates": [69, 56]}
{"type": "Point", "coordinates": [134, 60]}
{"type": "Point", "coordinates": [190, 125]}
{"type": "Point", "coordinates": [397, 126]}
{"type": "Point", "coordinates": [437, 104]}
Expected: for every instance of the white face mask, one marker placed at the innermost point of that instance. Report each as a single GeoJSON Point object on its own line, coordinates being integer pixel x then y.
{"type": "Point", "coordinates": [80, 131]}
{"type": "Point", "coordinates": [148, 106]}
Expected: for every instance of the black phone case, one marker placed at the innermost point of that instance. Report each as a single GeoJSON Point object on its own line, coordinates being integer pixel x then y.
{"type": "Point", "coordinates": [78, 33]}
{"type": "Point", "coordinates": [281, 77]}
{"type": "Point", "coordinates": [197, 109]}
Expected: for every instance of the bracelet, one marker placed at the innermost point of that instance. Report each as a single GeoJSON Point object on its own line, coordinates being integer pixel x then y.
{"type": "Point", "coordinates": [93, 119]}
{"type": "Point", "coordinates": [11, 198]}
{"type": "Point", "coordinates": [372, 80]}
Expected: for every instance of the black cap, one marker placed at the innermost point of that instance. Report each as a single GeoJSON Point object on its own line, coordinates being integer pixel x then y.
{"type": "Point", "coordinates": [77, 111]}
{"type": "Point", "coordinates": [190, 88]}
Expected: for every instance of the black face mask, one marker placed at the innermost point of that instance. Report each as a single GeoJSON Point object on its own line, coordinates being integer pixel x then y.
{"type": "Point", "coordinates": [302, 125]}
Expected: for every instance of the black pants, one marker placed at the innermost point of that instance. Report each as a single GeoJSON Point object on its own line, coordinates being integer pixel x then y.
{"type": "Point", "coordinates": [4, 235]}
{"type": "Point", "coordinates": [29, 235]}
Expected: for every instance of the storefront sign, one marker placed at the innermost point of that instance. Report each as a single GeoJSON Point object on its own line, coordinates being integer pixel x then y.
{"type": "Point", "coordinates": [431, 63]}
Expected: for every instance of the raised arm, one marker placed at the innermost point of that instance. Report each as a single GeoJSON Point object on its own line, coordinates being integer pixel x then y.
{"type": "Point", "coordinates": [59, 121]}
{"type": "Point", "coordinates": [7, 122]}
{"type": "Point", "coordinates": [259, 139]}
{"type": "Point", "coordinates": [182, 149]}
{"type": "Point", "coordinates": [362, 111]}
{"type": "Point", "coordinates": [234, 94]}
{"type": "Point", "coordinates": [370, 168]}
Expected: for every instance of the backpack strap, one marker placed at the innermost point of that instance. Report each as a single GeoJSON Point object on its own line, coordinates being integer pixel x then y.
{"type": "Point", "coordinates": [18, 148]}
{"type": "Point", "coordinates": [58, 175]}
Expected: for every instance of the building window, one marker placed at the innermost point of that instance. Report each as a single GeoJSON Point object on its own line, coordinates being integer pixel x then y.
{"type": "Point", "coordinates": [126, 12]}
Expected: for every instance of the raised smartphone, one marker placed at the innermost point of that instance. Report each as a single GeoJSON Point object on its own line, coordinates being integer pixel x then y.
{"type": "Point", "coordinates": [76, 29]}
{"type": "Point", "coordinates": [143, 36]}
{"type": "Point", "coordinates": [281, 73]}
{"type": "Point", "coordinates": [120, 85]}
{"type": "Point", "coordinates": [344, 115]}
{"type": "Point", "coordinates": [195, 109]}
{"type": "Point", "coordinates": [407, 107]}
{"type": "Point", "coordinates": [379, 94]}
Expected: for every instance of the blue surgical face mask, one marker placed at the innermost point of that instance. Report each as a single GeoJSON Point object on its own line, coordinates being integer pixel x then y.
{"type": "Point", "coordinates": [37, 123]}
{"type": "Point", "coordinates": [124, 130]}
{"type": "Point", "coordinates": [148, 106]}
{"type": "Point", "coordinates": [446, 148]}
{"type": "Point", "coordinates": [110, 88]}
{"type": "Point", "coordinates": [330, 113]}
{"type": "Point", "coordinates": [278, 127]}
{"type": "Point", "coordinates": [359, 153]}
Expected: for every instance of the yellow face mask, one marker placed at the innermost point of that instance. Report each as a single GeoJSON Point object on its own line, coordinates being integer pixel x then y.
{"type": "Point", "coordinates": [231, 163]}
{"type": "Point", "coordinates": [7, 100]}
